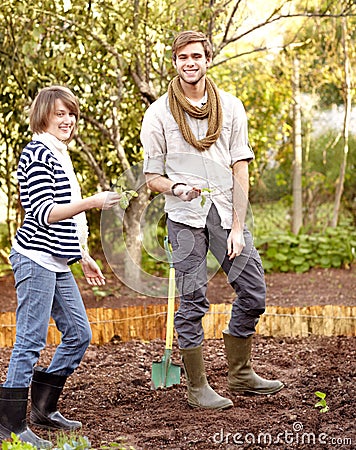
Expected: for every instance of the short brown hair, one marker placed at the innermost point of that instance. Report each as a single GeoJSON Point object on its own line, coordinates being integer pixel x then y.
{"type": "Point", "coordinates": [187, 37]}
{"type": "Point", "coordinates": [43, 105]}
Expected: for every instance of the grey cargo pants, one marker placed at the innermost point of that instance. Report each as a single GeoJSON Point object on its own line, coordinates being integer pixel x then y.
{"type": "Point", "coordinates": [244, 273]}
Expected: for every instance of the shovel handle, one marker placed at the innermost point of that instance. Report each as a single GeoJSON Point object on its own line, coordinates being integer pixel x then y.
{"type": "Point", "coordinates": [171, 297]}
{"type": "Point", "coordinates": [168, 251]}
{"type": "Point", "coordinates": [170, 309]}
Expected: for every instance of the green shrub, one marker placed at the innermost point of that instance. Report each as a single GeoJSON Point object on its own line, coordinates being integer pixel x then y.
{"type": "Point", "coordinates": [285, 252]}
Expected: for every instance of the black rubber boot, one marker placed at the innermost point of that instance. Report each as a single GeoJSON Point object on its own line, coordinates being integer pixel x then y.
{"type": "Point", "coordinates": [13, 408]}
{"type": "Point", "coordinates": [200, 394]}
{"type": "Point", "coordinates": [242, 378]}
{"type": "Point", "coordinates": [45, 391]}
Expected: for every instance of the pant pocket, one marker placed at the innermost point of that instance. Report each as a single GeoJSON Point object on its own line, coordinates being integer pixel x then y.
{"type": "Point", "coordinates": [22, 268]}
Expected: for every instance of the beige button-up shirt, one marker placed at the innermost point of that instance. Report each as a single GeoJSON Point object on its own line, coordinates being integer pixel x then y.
{"type": "Point", "coordinates": [167, 153]}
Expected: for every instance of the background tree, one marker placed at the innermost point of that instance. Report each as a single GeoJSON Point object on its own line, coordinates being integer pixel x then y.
{"type": "Point", "coordinates": [347, 97]}
{"type": "Point", "coordinates": [116, 57]}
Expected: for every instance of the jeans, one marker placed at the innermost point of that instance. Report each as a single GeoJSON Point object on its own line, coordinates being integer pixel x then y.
{"type": "Point", "coordinates": [244, 273]}
{"type": "Point", "coordinates": [42, 294]}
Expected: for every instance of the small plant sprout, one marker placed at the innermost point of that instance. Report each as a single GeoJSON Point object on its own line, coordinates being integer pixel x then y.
{"type": "Point", "coordinates": [126, 196]}
{"type": "Point", "coordinates": [15, 444]}
{"type": "Point", "coordinates": [322, 402]}
{"type": "Point", "coordinates": [100, 292]}
{"type": "Point", "coordinates": [204, 193]}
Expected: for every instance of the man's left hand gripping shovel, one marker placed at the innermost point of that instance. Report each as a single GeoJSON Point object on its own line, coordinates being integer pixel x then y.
{"type": "Point", "coordinates": [165, 373]}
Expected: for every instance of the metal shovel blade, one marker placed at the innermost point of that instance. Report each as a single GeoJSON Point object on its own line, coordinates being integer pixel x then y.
{"type": "Point", "coordinates": [165, 373]}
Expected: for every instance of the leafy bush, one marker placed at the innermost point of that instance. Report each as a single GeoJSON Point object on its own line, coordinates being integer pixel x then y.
{"type": "Point", "coordinates": [64, 442]}
{"type": "Point", "coordinates": [285, 252]}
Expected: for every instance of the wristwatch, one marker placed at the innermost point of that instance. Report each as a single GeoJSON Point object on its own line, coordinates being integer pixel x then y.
{"type": "Point", "coordinates": [175, 185]}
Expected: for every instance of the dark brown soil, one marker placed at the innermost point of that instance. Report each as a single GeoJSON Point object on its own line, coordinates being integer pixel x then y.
{"type": "Point", "coordinates": [111, 390]}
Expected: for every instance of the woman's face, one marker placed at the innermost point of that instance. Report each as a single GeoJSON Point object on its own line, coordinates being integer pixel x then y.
{"type": "Point", "coordinates": [61, 121]}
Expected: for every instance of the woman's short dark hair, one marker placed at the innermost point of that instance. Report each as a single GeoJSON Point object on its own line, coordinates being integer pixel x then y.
{"type": "Point", "coordinates": [43, 105]}
{"type": "Point", "coordinates": [188, 37]}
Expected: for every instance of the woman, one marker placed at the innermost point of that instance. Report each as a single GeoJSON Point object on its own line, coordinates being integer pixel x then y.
{"type": "Point", "coordinates": [52, 236]}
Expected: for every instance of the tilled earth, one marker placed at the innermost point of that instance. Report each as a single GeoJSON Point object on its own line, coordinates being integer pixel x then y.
{"type": "Point", "coordinates": [111, 390]}
{"type": "Point", "coordinates": [111, 394]}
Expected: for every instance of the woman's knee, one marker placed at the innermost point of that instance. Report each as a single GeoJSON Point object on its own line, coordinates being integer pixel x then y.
{"type": "Point", "coordinates": [86, 337]}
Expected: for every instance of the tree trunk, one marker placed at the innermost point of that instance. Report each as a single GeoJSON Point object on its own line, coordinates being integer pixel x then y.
{"type": "Point", "coordinates": [297, 150]}
{"type": "Point", "coordinates": [132, 232]}
{"type": "Point", "coordinates": [347, 116]}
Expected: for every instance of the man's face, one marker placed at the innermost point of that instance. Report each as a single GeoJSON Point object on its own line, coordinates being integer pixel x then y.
{"type": "Point", "coordinates": [191, 63]}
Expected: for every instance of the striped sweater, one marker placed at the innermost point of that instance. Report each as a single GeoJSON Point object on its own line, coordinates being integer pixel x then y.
{"type": "Point", "coordinates": [44, 183]}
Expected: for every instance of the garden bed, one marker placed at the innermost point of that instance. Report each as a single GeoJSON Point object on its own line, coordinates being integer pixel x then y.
{"type": "Point", "coordinates": [110, 393]}
{"type": "Point", "coordinates": [111, 390]}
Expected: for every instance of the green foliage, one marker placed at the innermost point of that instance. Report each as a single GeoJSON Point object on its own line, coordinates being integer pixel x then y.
{"type": "Point", "coordinates": [265, 95]}
{"type": "Point", "coordinates": [5, 267]}
{"type": "Point", "coordinates": [282, 251]}
{"type": "Point", "coordinates": [320, 173]}
{"type": "Point", "coordinates": [4, 239]}
{"type": "Point", "coordinates": [126, 196]}
{"type": "Point", "coordinates": [72, 441]}
{"type": "Point", "coordinates": [153, 266]}
{"type": "Point", "coordinates": [322, 402]}
{"type": "Point", "coordinates": [116, 56]}
{"type": "Point", "coordinates": [204, 193]}
{"type": "Point", "coordinates": [16, 444]}
{"type": "Point", "coordinates": [77, 270]}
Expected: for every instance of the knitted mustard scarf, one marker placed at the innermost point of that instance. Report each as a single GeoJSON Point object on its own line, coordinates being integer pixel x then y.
{"type": "Point", "coordinates": [212, 110]}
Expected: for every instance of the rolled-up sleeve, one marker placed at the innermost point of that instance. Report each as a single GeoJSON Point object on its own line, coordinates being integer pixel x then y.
{"type": "Point", "coordinates": [240, 148]}
{"type": "Point", "coordinates": [153, 141]}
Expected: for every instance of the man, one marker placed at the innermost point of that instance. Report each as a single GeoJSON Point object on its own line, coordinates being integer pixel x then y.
{"type": "Point", "coordinates": [197, 153]}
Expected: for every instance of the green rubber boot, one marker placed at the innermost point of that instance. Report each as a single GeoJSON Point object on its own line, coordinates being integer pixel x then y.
{"type": "Point", "coordinates": [200, 394]}
{"type": "Point", "coordinates": [242, 378]}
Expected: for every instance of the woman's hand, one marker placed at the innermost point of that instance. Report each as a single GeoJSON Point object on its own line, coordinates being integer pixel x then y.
{"type": "Point", "coordinates": [92, 272]}
{"type": "Point", "coordinates": [105, 200]}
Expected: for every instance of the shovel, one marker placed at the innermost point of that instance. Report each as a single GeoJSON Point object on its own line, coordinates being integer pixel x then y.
{"type": "Point", "coordinates": [165, 373]}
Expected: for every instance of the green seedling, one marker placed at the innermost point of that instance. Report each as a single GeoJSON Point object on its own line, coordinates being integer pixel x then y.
{"type": "Point", "coordinates": [322, 402]}
{"type": "Point", "coordinates": [126, 196]}
{"type": "Point", "coordinates": [15, 444]}
{"type": "Point", "coordinates": [99, 292]}
{"type": "Point", "coordinates": [204, 193]}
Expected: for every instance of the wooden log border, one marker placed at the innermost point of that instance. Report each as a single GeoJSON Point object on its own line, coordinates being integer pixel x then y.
{"type": "Point", "coordinates": [149, 322]}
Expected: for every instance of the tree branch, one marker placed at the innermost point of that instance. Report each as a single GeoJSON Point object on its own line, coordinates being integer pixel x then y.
{"type": "Point", "coordinates": [271, 19]}
{"type": "Point", "coordinates": [92, 162]}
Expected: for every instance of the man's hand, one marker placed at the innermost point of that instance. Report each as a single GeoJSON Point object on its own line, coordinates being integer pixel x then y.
{"type": "Point", "coordinates": [186, 193]}
{"type": "Point", "coordinates": [235, 243]}
{"type": "Point", "coordinates": [92, 271]}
